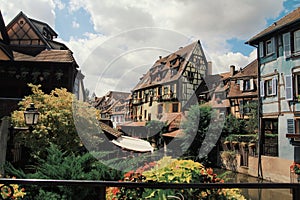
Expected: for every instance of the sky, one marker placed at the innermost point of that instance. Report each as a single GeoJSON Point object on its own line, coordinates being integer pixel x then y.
{"type": "Point", "coordinates": [116, 42]}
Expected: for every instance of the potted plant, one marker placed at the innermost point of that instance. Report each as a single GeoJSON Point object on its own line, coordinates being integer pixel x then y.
{"type": "Point", "coordinates": [295, 168]}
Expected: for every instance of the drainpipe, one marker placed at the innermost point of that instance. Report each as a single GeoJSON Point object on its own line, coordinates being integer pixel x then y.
{"type": "Point", "coordinates": [260, 145]}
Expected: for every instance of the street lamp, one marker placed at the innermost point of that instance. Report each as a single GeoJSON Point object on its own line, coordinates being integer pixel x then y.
{"type": "Point", "coordinates": [31, 116]}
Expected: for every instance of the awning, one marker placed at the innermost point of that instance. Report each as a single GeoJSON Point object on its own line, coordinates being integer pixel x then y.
{"type": "Point", "coordinates": [133, 144]}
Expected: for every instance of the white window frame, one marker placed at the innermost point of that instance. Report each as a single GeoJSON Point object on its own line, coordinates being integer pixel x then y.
{"type": "Point", "coordinates": [272, 91]}
{"type": "Point", "coordinates": [270, 46]}
{"type": "Point", "coordinates": [248, 84]}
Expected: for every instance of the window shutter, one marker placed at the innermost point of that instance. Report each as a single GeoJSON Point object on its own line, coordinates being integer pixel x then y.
{"type": "Point", "coordinates": [273, 44]}
{"type": "Point", "coordinates": [241, 85]}
{"type": "Point", "coordinates": [274, 86]}
{"type": "Point", "coordinates": [290, 126]}
{"type": "Point", "coordinates": [261, 49]}
{"type": "Point", "coordinates": [287, 44]}
{"type": "Point", "coordinates": [262, 88]}
{"type": "Point", "coordinates": [251, 84]}
{"type": "Point", "coordinates": [288, 87]}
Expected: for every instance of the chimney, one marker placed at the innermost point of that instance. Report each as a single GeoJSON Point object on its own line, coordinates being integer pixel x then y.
{"type": "Point", "coordinates": [232, 70]}
{"type": "Point", "coordinates": [209, 68]}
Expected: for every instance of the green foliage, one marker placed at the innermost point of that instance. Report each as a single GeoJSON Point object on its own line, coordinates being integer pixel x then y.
{"type": "Point", "coordinates": [197, 127]}
{"type": "Point", "coordinates": [242, 138]}
{"type": "Point", "coordinates": [170, 170]}
{"type": "Point", "coordinates": [155, 129]}
{"type": "Point", "coordinates": [252, 122]}
{"type": "Point", "coordinates": [233, 125]}
{"type": "Point", "coordinates": [56, 122]}
{"type": "Point", "coordinates": [62, 165]}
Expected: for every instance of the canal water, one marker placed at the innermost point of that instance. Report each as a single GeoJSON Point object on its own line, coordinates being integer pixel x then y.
{"type": "Point", "coordinates": [254, 194]}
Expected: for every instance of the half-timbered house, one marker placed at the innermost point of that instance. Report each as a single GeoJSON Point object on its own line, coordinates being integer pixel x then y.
{"type": "Point", "coordinates": [170, 85]}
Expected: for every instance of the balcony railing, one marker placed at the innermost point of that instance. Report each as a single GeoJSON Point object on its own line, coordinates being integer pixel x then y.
{"type": "Point", "coordinates": [295, 187]}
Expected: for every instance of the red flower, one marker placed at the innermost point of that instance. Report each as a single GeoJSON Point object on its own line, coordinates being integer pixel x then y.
{"type": "Point", "coordinates": [210, 171]}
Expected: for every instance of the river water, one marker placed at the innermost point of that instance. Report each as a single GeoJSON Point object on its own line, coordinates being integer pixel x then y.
{"type": "Point", "coordinates": [254, 194]}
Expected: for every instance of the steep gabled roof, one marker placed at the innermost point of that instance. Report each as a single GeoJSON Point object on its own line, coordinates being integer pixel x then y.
{"type": "Point", "coordinates": [250, 71]}
{"type": "Point", "coordinates": [37, 29]}
{"type": "Point", "coordinates": [287, 20]}
{"type": "Point", "coordinates": [161, 71]}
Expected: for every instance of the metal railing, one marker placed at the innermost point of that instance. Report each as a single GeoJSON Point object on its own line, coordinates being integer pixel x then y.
{"type": "Point", "coordinates": [294, 187]}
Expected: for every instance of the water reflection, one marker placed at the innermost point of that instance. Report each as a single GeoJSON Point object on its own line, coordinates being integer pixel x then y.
{"type": "Point", "coordinates": [254, 194]}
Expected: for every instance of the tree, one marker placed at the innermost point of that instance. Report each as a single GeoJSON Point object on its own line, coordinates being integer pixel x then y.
{"type": "Point", "coordinates": [155, 129]}
{"type": "Point", "coordinates": [201, 122]}
{"type": "Point", "coordinates": [233, 125]}
{"type": "Point", "coordinates": [252, 122]}
{"type": "Point", "coordinates": [56, 122]}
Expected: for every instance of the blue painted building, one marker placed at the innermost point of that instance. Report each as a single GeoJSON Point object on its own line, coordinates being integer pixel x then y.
{"type": "Point", "coordinates": [278, 52]}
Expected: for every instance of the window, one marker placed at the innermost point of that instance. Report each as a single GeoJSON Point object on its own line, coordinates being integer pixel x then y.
{"type": "Point", "coordinates": [246, 85]}
{"type": "Point", "coordinates": [159, 90]}
{"type": "Point", "coordinates": [166, 90]}
{"type": "Point", "coordinates": [175, 107]}
{"type": "Point", "coordinates": [267, 48]}
{"type": "Point", "coordinates": [291, 43]}
{"type": "Point", "coordinates": [297, 41]}
{"type": "Point", "coordinates": [270, 87]}
{"type": "Point", "coordinates": [160, 108]}
{"type": "Point", "coordinates": [270, 126]}
{"type": "Point", "coordinates": [298, 84]}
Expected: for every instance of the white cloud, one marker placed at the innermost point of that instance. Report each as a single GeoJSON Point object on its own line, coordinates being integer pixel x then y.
{"type": "Point", "coordinates": [75, 24]}
{"type": "Point", "coordinates": [115, 24]}
{"type": "Point", "coordinates": [42, 10]}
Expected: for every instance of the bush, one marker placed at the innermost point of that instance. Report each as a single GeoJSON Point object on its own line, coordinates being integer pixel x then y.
{"type": "Point", "coordinates": [174, 171]}
{"type": "Point", "coordinates": [63, 165]}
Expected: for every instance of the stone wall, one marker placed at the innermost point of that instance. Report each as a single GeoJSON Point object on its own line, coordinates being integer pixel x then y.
{"type": "Point", "coordinates": [274, 169]}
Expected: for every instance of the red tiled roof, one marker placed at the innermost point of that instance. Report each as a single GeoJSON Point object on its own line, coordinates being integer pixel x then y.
{"type": "Point", "coordinates": [170, 117]}
{"type": "Point", "coordinates": [286, 20]}
{"type": "Point", "coordinates": [236, 92]}
{"type": "Point", "coordinates": [175, 134]}
{"type": "Point", "coordinates": [134, 124]}
{"type": "Point", "coordinates": [47, 56]}
{"type": "Point", "coordinates": [250, 70]}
